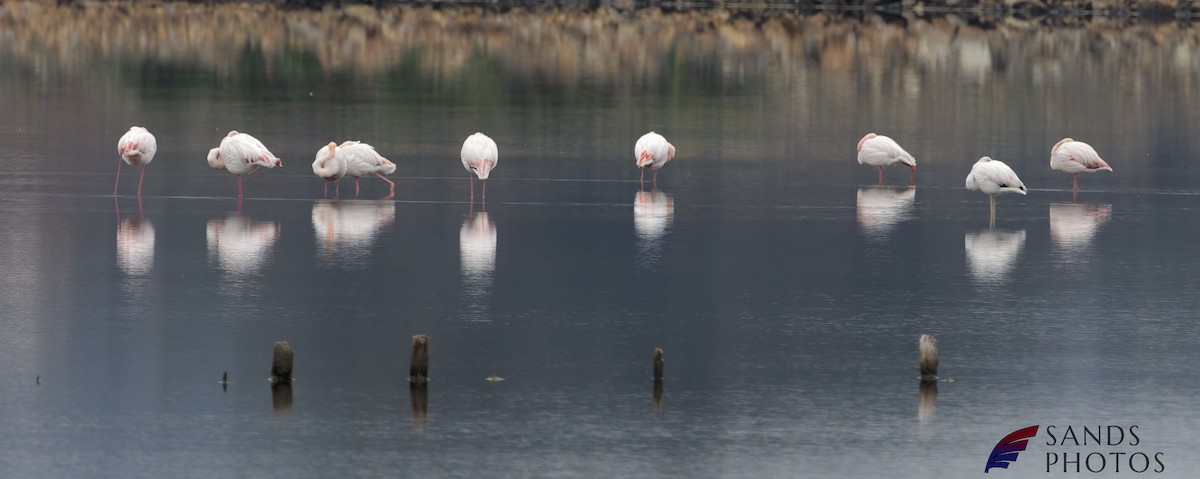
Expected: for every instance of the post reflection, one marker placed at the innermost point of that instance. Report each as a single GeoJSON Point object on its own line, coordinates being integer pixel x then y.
{"type": "Point", "coordinates": [653, 213]}
{"type": "Point", "coordinates": [927, 401]}
{"type": "Point", "coordinates": [991, 254]}
{"type": "Point", "coordinates": [281, 397]}
{"type": "Point", "coordinates": [880, 209]}
{"type": "Point", "coordinates": [1073, 225]}
{"type": "Point", "coordinates": [346, 230]}
{"type": "Point", "coordinates": [241, 245]}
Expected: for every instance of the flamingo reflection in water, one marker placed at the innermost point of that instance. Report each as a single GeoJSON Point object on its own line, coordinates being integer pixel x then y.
{"type": "Point", "coordinates": [880, 209]}
{"type": "Point", "coordinates": [135, 242]}
{"type": "Point", "coordinates": [346, 230]}
{"type": "Point", "coordinates": [1072, 225]}
{"type": "Point", "coordinates": [653, 213]}
{"type": "Point", "coordinates": [992, 254]}
{"type": "Point", "coordinates": [477, 247]}
{"type": "Point", "coordinates": [241, 245]}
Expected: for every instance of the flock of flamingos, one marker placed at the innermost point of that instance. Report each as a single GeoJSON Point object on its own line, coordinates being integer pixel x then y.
{"type": "Point", "coordinates": [242, 154]}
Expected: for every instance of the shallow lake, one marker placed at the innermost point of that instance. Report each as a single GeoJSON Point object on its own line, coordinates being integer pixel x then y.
{"type": "Point", "coordinates": [786, 288]}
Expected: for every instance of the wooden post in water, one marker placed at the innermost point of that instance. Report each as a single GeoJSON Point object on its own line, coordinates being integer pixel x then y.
{"type": "Point", "coordinates": [418, 370]}
{"type": "Point", "coordinates": [281, 363]}
{"type": "Point", "coordinates": [929, 358]}
{"type": "Point", "coordinates": [659, 363]}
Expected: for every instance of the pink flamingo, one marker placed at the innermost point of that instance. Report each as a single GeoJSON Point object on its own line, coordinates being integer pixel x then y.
{"type": "Point", "coordinates": [136, 147]}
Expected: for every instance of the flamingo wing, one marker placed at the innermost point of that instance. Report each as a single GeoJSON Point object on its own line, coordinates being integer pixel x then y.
{"type": "Point", "coordinates": [1084, 154]}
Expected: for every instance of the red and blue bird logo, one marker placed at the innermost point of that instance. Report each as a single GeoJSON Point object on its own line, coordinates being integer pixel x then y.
{"type": "Point", "coordinates": [1006, 450]}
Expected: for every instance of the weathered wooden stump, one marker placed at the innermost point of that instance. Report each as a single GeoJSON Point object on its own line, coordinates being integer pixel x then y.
{"type": "Point", "coordinates": [659, 364]}
{"type": "Point", "coordinates": [281, 363]}
{"type": "Point", "coordinates": [418, 370]}
{"type": "Point", "coordinates": [929, 358]}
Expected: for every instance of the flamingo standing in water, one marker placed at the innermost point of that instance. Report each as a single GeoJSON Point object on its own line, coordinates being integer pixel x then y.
{"type": "Point", "coordinates": [136, 147]}
{"type": "Point", "coordinates": [652, 151]}
{"type": "Point", "coordinates": [330, 167]}
{"type": "Point", "coordinates": [241, 154]}
{"type": "Point", "coordinates": [881, 152]}
{"type": "Point", "coordinates": [479, 156]}
{"type": "Point", "coordinates": [362, 159]}
{"type": "Point", "coordinates": [994, 177]}
{"type": "Point", "coordinates": [1075, 157]}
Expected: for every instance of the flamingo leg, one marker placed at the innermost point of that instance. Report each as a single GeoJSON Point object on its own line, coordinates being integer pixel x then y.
{"type": "Point", "coordinates": [654, 181]}
{"type": "Point", "coordinates": [484, 190]}
{"type": "Point", "coordinates": [326, 195]}
{"type": "Point", "coordinates": [118, 176]}
{"type": "Point", "coordinates": [356, 187]}
{"type": "Point", "coordinates": [140, 178]}
{"type": "Point", "coordinates": [337, 189]}
{"type": "Point", "coordinates": [642, 179]}
{"type": "Point", "coordinates": [472, 178]}
{"type": "Point", "coordinates": [912, 177]}
{"type": "Point", "coordinates": [880, 175]}
{"type": "Point", "coordinates": [391, 186]}
{"type": "Point", "coordinates": [141, 214]}
{"type": "Point", "coordinates": [992, 201]}
{"type": "Point", "coordinates": [239, 181]}
{"type": "Point", "coordinates": [1075, 183]}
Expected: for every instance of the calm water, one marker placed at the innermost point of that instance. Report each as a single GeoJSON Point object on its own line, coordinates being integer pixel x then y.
{"type": "Point", "coordinates": [787, 291]}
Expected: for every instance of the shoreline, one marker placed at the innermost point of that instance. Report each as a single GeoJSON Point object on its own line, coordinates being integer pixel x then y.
{"type": "Point", "coordinates": [1052, 12]}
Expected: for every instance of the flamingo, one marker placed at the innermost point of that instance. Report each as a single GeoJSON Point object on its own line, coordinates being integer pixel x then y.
{"type": "Point", "coordinates": [362, 159]}
{"type": "Point", "coordinates": [330, 167]}
{"type": "Point", "coordinates": [994, 177]}
{"type": "Point", "coordinates": [1075, 157]}
{"type": "Point", "coordinates": [479, 156]}
{"type": "Point", "coordinates": [241, 154]}
{"type": "Point", "coordinates": [652, 151]}
{"type": "Point", "coordinates": [136, 147]}
{"type": "Point", "coordinates": [881, 152]}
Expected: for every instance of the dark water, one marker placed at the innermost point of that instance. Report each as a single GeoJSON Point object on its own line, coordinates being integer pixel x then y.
{"type": "Point", "coordinates": [787, 291]}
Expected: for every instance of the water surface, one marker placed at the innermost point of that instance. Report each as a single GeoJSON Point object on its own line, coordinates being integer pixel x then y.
{"type": "Point", "coordinates": [787, 290]}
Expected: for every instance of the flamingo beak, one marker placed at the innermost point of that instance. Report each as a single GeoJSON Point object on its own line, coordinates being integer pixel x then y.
{"type": "Point", "coordinates": [279, 162]}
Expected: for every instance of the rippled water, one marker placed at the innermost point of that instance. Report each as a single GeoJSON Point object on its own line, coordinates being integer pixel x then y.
{"type": "Point", "coordinates": [787, 289]}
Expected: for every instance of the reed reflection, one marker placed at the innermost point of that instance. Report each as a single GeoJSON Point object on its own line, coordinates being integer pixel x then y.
{"type": "Point", "coordinates": [1073, 225]}
{"type": "Point", "coordinates": [653, 213]}
{"type": "Point", "coordinates": [241, 245]}
{"type": "Point", "coordinates": [991, 254]}
{"type": "Point", "coordinates": [880, 209]}
{"type": "Point", "coordinates": [346, 230]}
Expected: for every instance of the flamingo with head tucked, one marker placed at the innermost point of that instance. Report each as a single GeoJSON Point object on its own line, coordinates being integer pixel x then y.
{"type": "Point", "coordinates": [652, 151]}
{"type": "Point", "coordinates": [241, 154]}
{"type": "Point", "coordinates": [881, 152]}
{"type": "Point", "coordinates": [136, 147]}
{"type": "Point", "coordinates": [362, 160]}
{"type": "Point", "coordinates": [479, 157]}
{"type": "Point", "coordinates": [993, 178]}
{"type": "Point", "coordinates": [1075, 157]}
{"type": "Point", "coordinates": [330, 167]}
